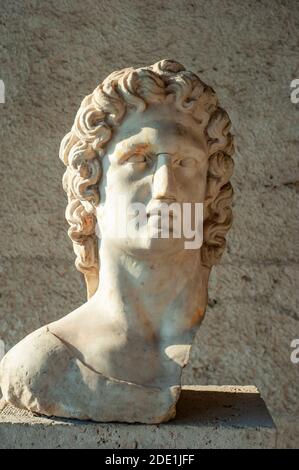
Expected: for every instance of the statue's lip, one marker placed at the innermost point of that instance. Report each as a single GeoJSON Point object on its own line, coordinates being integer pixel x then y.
{"type": "Point", "coordinates": [159, 206]}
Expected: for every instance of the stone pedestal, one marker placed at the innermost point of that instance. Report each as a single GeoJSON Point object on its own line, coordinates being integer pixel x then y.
{"type": "Point", "coordinates": [207, 417]}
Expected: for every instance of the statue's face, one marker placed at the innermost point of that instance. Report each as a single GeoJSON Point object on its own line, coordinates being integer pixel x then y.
{"type": "Point", "coordinates": [159, 155]}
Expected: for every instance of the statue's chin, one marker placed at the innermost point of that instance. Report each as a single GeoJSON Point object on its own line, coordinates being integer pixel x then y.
{"type": "Point", "coordinates": [151, 246]}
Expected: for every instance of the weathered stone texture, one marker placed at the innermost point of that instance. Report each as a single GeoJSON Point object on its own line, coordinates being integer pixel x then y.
{"type": "Point", "coordinates": [207, 417]}
{"type": "Point", "coordinates": [52, 54]}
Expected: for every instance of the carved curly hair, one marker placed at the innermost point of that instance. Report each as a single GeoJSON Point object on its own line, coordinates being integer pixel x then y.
{"type": "Point", "coordinates": [102, 111]}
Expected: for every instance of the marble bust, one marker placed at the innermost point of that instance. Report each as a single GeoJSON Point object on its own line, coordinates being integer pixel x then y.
{"type": "Point", "coordinates": [151, 135]}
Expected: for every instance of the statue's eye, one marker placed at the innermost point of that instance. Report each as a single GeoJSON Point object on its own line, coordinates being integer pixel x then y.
{"type": "Point", "coordinates": [188, 162]}
{"type": "Point", "coordinates": [136, 158]}
{"type": "Point", "coordinates": [139, 158]}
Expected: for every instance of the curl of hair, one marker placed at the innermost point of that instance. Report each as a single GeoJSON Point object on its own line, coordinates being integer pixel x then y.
{"type": "Point", "coordinates": [99, 115]}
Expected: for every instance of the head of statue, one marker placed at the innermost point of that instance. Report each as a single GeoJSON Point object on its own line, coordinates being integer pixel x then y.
{"type": "Point", "coordinates": [145, 137]}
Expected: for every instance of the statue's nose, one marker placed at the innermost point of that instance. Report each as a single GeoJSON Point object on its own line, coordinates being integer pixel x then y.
{"type": "Point", "coordinates": [163, 179]}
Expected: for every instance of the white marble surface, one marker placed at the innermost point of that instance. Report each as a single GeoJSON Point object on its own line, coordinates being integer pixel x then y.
{"type": "Point", "coordinates": [155, 135]}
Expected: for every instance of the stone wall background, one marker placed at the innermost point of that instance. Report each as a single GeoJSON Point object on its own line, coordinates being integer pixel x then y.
{"type": "Point", "coordinates": [53, 53]}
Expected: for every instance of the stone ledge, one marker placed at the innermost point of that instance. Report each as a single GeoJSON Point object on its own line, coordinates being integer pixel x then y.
{"type": "Point", "coordinates": [207, 417]}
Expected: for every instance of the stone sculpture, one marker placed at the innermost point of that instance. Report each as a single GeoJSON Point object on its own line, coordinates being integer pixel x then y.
{"type": "Point", "coordinates": [151, 135]}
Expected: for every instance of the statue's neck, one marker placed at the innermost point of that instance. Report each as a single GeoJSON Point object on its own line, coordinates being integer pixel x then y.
{"type": "Point", "coordinates": [157, 295]}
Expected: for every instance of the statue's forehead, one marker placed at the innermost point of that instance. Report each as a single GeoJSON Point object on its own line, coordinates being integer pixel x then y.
{"type": "Point", "coordinates": [153, 132]}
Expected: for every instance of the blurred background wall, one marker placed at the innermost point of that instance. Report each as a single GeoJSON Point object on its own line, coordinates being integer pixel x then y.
{"type": "Point", "coordinates": [53, 53]}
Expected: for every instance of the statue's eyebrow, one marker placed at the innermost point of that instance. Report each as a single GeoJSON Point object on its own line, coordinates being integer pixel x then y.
{"type": "Point", "coordinates": [187, 133]}
{"type": "Point", "coordinates": [182, 130]}
{"type": "Point", "coordinates": [133, 145]}
{"type": "Point", "coordinates": [191, 136]}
